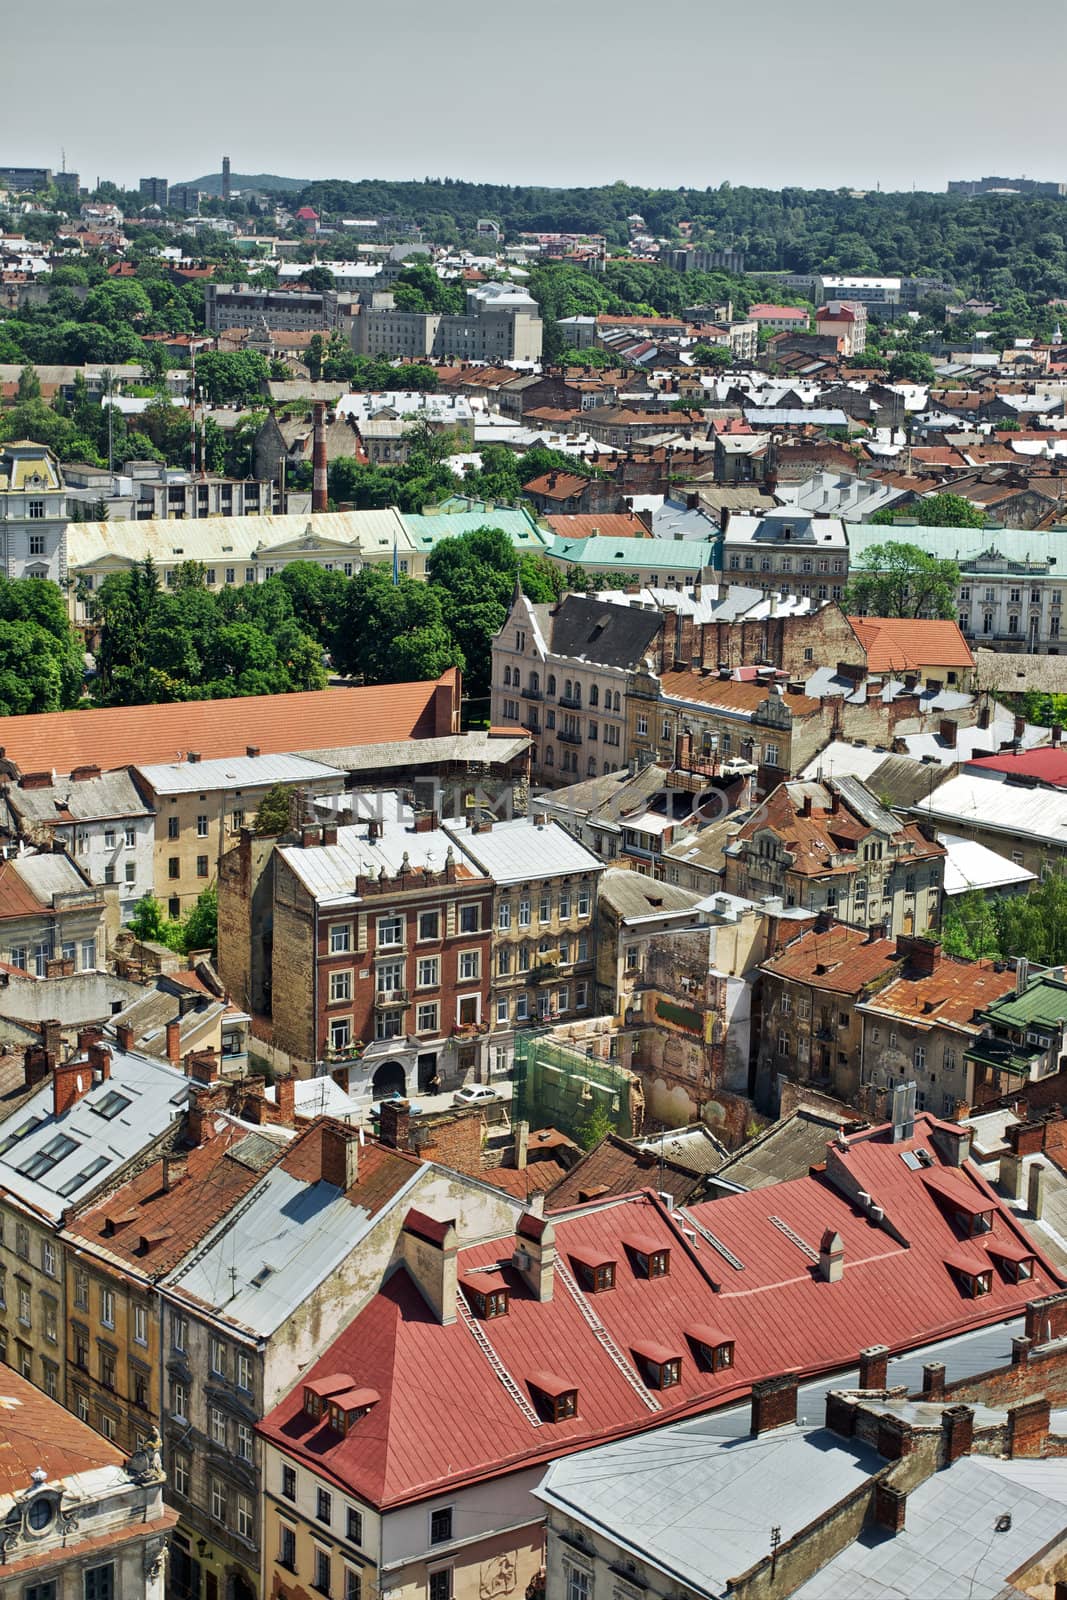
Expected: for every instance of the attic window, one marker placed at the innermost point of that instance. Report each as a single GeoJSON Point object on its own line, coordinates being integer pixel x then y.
{"type": "Point", "coordinates": [651, 1260]}
{"type": "Point", "coordinates": [975, 1283]}
{"type": "Point", "coordinates": [346, 1409]}
{"type": "Point", "coordinates": [313, 1403]}
{"type": "Point", "coordinates": [112, 1103]}
{"type": "Point", "coordinates": [492, 1304]}
{"type": "Point", "coordinates": [557, 1398]}
{"type": "Point", "coordinates": [714, 1353]}
{"type": "Point", "coordinates": [603, 1278]}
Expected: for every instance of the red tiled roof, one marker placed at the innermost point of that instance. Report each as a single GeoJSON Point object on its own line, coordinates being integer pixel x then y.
{"type": "Point", "coordinates": [606, 524]}
{"type": "Point", "coordinates": [179, 1218]}
{"type": "Point", "coordinates": [16, 897]}
{"type": "Point", "coordinates": [37, 1432]}
{"type": "Point", "coordinates": [843, 960]}
{"type": "Point", "coordinates": [556, 485]}
{"type": "Point", "coordinates": [951, 994]}
{"type": "Point", "coordinates": [318, 719]}
{"type": "Point", "coordinates": [1047, 765]}
{"type": "Point", "coordinates": [444, 1417]}
{"type": "Point", "coordinates": [814, 839]}
{"type": "Point", "coordinates": [382, 1172]}
{"type": "Point", "coordinates": [895, 643]}
{"type": "Point", "coordinates": [616, 1167]}
{"type": "Point", "coordinates": [796, 313]}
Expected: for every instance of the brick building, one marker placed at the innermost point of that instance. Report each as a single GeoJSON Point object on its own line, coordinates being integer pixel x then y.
{"type": "Point", "coordinates": [379, 954]}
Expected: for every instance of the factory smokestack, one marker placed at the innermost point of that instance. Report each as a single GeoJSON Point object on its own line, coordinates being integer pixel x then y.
{"type": "Point", "coordinates": [225, 177]}
{"type": "Point", "coordinates": [319, 494]}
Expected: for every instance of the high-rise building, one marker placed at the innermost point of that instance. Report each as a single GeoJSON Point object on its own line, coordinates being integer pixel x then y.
{"type": "Point", "coordinates": [155, 192]}
{"type": "Point", "coordinates": [225, 177]}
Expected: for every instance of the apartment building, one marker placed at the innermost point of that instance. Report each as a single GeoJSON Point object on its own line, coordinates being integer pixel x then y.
{"type": "Point", "coordinates": [834, 848]}
{"type": "Point", "coordinates": [280, 310]}
{"type": "Point", "coordinates": [101, 819]}
{"type": "Point", "coordinates": [33, 512]}
{"type": "Point", "coordinates": [543, 948]}
{"type": "Point", "coordinates": [788, 551]}
{"type": "Point", "coordinates": [378, 949]}
{"type": "Point", "coordinates": [501, 322]}
{"type": "Point", "coordinates": [562, 673]}
{"type": "Point", "coordinates": [601, 1322]}
{"type": "Point", "coordinates": [76, 1127]}
{"type": "Point", "coordinates": [199, 808]}
{"type": "Point", "coordinates": [52, 918]}
{"type": "Point", "coordinates": [87, 1519]}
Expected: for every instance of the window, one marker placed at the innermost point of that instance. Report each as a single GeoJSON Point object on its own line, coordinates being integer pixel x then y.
{"type": "Point", "coordinates": [130, 871]}
{"type": "Point", "coordinates": [231, 574]}
{"type": "Point", "coordinates": [179, 1400]}
{"type": "Point", "coordinates": [107, 1308]}
{"type": "Point", "coordinates": [470, 919]}
{"type": "Point", "coordinates": [48, 1258]}
{"type": "Point", "coordinates": [287, 1548]}
{"type": "Point", "coordinates": [179, 1333]}
{"type": "Point", "coordinates": [243, 1376]}
{"type": "Point", "coordinates": [100, 1583]}
{"type": "Point", "coordinates": [441, 1525]}
{"type": "Point", "coordinates": [201, 867]}
{"type": "Point", "coordinates": [218, 1357]}
{"type": "Point", "coordinates": [323, 1505]}
{"type": "Point", "coordinates": [244, 1517]}
{"type": "Point", "coordinates": [503, 914]}
{"type": "Point", "coordinates": [544, 910]}
{"type": "Point", "coordinates": [321, 1580]}
{"type": "Point", "coordinates": [173, 827]}
{"type": "Point", "coordinates": [579, 1584]}
{"type": "Point", "coordinates": [524, 913]}
{"type": "Point", "coordinates": [441, 1584]}
{"type": "Point", "coordinates": [340, 1033]}
{"type": "Point", "coordinates": [426, 1018]}
{"type": "Point", "coordinates": [218, 1500]}
{"type": "Point", "coordinates": [390, 933]}
{"type": "Point", "coordinates": [429, 925]}
{"type": "Point", "coordinates": [289, 1482]}
{"type": "Point", "coordinates": [237, 821]}
{"type": "Point", "coordinates": [181, 1473]}
{"type": "Point", "coordinates": [429, 972]}
{"type": "Point", "coordinates": [218, 1426]}
{"type": "Point", "coordinates": [24, 1305]}
{"type": "Point", "coordinates": [352, 1584]}
{"type": "Point", "coordinates": [174, 869]}
{"type": "Point", "coordinates": [340, 986]}
{"type": "Point", "coordinates": [470, 965]}
{"type": "Point", "coordinates": [354, 1525]}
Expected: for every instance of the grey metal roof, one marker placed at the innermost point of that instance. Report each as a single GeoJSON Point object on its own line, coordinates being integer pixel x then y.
{"type": "Point", "coordinates": [633, 896]}
{"type": "Point", "coordinates": [516, 851]}
{"type": "Point", "coordinates": [260, 1263]}
{"type": "Point", "coordinates": [969, 800]}
{"type": "Point", "coordinates": [113, 794]}
{"type": "Point", "coordinates": [596, 630]}
{"type": "Point", "coordinates": [229, 772]}
{"type": "Point", "coordinates": [105, 1133]}
{"type": "Point", "coordinates": [695, 1148]}
{"type": "Point", "coordinates": [785, 1150]}
{"type": "Point", "coordinates": [46, 875]}
{"type": "Point", "coordinates": [329, 872]}
{"type": "Point", "coordinates": [472, 747]}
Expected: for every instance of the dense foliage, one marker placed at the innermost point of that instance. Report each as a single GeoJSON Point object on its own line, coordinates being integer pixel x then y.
{"type": "Point", "coordinates": [1033, 925]}
{"type": "Point", "coordinates": [900, 580]}
{"type": "Point", "coordinates": [41, 666]}
{"type": "Point", "coordinates": [934, 511]}
{"type": "Point", "coordinates": [198, 931]}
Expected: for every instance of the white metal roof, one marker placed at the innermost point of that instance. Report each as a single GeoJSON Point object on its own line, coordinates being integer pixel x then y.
{"type": "Point", "coordinates": [329, 871]}
{"type": "Point", "coordinates": [513, 852]}
{"type": "Point", "coordinates": [970, 865]}
{"type": "Point", "coordinates": [235, 772]}
{"type": "Point", "coordinates": [970, 801]}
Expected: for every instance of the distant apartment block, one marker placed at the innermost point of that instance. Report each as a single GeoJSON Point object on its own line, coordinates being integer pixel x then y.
{"type": "Point", "coordinates": [1006, 185]}
{"type": "Point", "coordinates": [155, 192]}
{"type": "Point", "coordinates": [282, 310]}
{"type": "Point", "coordinates": [25, 177]}
{"type": "Point", "coordinates": [500, 323]}
{"type": "Point", "coordinates": [33, 512]}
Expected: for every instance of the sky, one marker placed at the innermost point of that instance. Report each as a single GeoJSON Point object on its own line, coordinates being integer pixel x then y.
{"type": "Point", "coordinates": [680, 92]}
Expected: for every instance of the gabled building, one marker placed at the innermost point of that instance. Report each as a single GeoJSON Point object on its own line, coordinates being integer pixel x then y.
{"type": "Point", "coordinates": [406, 1455]}
{"type": "Point", "coordinates": [52, 917]}
{"type": "Point", "coordinates": [834, 848]}
{"type": "Point", "coordinates": [34, 512]}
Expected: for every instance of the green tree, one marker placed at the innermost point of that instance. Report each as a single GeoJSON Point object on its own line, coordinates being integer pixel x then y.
{"type": "Point", "coordinates": [148, 923]}
{"type": "Point", "coordinates": [595, 1129]}
{"type": "Point", "coordinates": [911, 366]}
{"type": "Point", "coordinates": [712, 355]}
{"type": "Point", "coordinates": [272, 815]}
{"type": "Point", "coordinates": [392, 633]}
{"type": "Point", "coordinates": [900, 580]}
{"type": "Point", "coordinates": [236, 378]}
{"type": "Point", "coordinates": [200, 931]}
{"type": "Point", "coordinates": [969, 927]}
{"type": "Point", "coordinates": [314, 356]}
{"type": "Point", "coordinates": [29, 385]}
{"type": "Point", "coordinates": [934, 511]}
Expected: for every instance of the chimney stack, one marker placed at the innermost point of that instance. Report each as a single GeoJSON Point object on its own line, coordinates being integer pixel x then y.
{"type": "Point", "coordinates": [285, 1090]}
{"type": "Point", "coordinates": [340, 1155]}
{"type": "Point", "coordinates": [774, 1403]}
{"type": "Point", "coordinates": [320, 499]}
{"type": "Point", "coordinates": [428, 1249]}
{"type": "Point", "coordinates": [124, 1036]}
{"type": "Point", "coordinates": [831, 1257]}
{"type": "Point", "coordinates": [203, 1066]}
{"type": "Point", "coordinates": [70, 1083]}
{"type": "Point", "coordinates": [395, 1124]}
{"type": "Point", "coordinates": [174, 1170]}
{"type": "Point", "coordinates": [535, 1254]}
{"type": "Point", "coordinates": [174, 1043]}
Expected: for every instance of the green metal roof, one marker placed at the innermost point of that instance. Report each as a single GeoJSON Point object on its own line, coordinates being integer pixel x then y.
{"type": "Point", "coordinates": [1021, 547]}
{"type": "Point", "coordinates": [428, 528]}
{"type": "Point", "coordinates": [646, 555]}
{"type": "Point", "coordinates": [1043, 1002]}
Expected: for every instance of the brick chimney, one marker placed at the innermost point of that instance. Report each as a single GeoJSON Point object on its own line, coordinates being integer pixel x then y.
{"type": "Point", "coordinates": [948, 731]}
{"type": "Point", "coordinates": [1028, 1427]}
{"type": "Point", "coordinates": [890, 1507]}
{"type": "Point", "coordinates": [37, 1063]}
{"type": "Point", "coordinates": [340, 1155]}
{"type": "Point", "coordinates": [124, 1036]}
{"type": "Point", "coordinates": [831, 1257]}
{"type": "Point", "coordinates": [100, 1059]}
{"type": "Point", "coordinates": [202, 1066]}
{"type": "Point", "coordinates": [70, 1083]}
{"type": "Point", "coordinates": [774, 1403]}
{"type": "Point", "coordinates": [320, 495]}
{"type": "Point", "coordinates": [535, 1254]}
{"type": "Point", "coordinates": [957, 1432]}
{"type": "Point", "coordinates": [874, 1367]}
{"type": "Point", "coordinates": [285, 1093]}
{"type": "Point", "coordinates": [174, 1043]}
{"type": "Point", "coordinates": [175, 1167]}
{"type": "Point", "coordinates": [52, 1037]}
{"type": "Point", "coordinates": [395, 1124]}
{"type": "Point", "coordinates": [934, 1380]}
{"type": "Point", "coordinates": [428, 1250]}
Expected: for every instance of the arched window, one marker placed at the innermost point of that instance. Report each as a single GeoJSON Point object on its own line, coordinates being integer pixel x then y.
{"type": "Point", "coordinates": [594, 695]}
{"type": "Point", "coordinates": [550, 686]}
{"type": "Point", "coordinates": [507, 676]}
{"type": "Point", "coordinates": [549, 757]}
{"type": "Point", "coordinates": [535, 682]}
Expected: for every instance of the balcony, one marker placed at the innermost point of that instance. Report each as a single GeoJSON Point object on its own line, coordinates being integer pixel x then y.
{"type": "Point", "coordinates": [568, 736]}
{"type": "Point", "coordinates": [546, 972]}
{"type": "Point", "coordinates": [343, 1052]}
{"type": "Point", "coordinates": [530, 694]}
{"type": "Point", "coordinates": [531, 725]}
{"type": "Point", "coordinates": [572, 701]}
{"type": "Point", "coordinates": [391, 997]}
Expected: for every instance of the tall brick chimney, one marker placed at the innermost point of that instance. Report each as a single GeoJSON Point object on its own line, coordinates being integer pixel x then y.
{"type": "Point", "coordinates": [69, 1083]}
{"type": "Point", "coordinates": [535, 1254]}
{"type": "Point", "coordinates": [320, 499]}
{"type": "Point", "coordinates": [340, 1155]}
{"type": "Point", "coordinates": [774, 1403]}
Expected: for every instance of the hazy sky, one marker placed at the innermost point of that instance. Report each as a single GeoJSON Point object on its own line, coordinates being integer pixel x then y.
{"type": "Point", "coordinates": [565, 91]}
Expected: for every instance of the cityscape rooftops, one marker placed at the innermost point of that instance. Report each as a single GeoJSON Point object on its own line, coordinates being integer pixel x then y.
{"type": "Point", "coordinates": [386, 845]}
{"type": "Point", "coordinates": [522, 849]}
{"type": "Point", "coordinates": [843, 960]}
{"type": "Point", "coordinates": [753, 1271]}
{"type": "Point", "coordinates": [234, 772]}
{"type": "Point", "coordinates": [897, 644]}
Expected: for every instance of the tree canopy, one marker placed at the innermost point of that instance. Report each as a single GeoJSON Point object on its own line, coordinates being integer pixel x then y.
{"type": "Point", "coordinates": [900, 580]}
{"type": "Point", "coordinates": [1032, 925]}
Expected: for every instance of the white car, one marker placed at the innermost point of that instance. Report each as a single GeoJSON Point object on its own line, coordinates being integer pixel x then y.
{"type": "Point", "coordinates": [473, 1094]}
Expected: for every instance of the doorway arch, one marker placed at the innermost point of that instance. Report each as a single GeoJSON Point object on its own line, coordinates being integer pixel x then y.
{"type": "Point", "coordinates": [389, 1078]}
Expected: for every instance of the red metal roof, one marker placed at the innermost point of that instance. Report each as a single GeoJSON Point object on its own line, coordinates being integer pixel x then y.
{"type": "Point", "coordinates": [445, 1417]}
{"type": "Point", "coordinates": [954, 1188]}
{"type": "Point", "coordinates": [37, 1432]}
{"type": "Point", "coordinates": [1047, 765]}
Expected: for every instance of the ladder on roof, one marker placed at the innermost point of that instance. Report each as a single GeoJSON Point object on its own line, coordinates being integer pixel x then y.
{"type": "Point", "coordinates": [794, 1238]}
{"type": "Point", "coordinates": [706, 1234]}
{"type": "Point", "coordinates": [480, 1339]}
{"type": "Point", "coordinates": [628, 1371]}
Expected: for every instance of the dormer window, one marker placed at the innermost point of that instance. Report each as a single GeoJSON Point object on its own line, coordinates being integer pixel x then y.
{"type": "Point", "coordinates": [556, 1398]}
{"type": "Point", "coordinates": [318, 1393]}
{"type": "Point", "coordinates": [651, 1258]}
{"type": "Point", "coordinates": [662, 1366]}
{"type": "Point", "coordinates": [313, 1403]}
{"type": "Point", "coordinates": [1016, 1262]}
{"type": "Point", "coordinates": [714, 1352]}
{"type": "Point", "coordinates": [488, 1294]}
{"type": "Point", "coordinates": [972, 1269]}
{"type": "Point", "coordinates": [346, 1409]}
{"type": "Point", "coordinates": [597, 1272]}
{"type": "Point", "coordinates": [494, 1304]}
